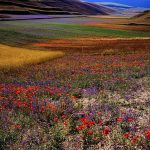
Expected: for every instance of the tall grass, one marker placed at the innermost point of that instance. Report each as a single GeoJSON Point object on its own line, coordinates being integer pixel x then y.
{"type": "Point", "coordinates": [12, 57]}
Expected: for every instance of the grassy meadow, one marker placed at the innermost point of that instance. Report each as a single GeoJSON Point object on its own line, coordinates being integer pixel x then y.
{"type": "Point", "coordinates": [96, 96]}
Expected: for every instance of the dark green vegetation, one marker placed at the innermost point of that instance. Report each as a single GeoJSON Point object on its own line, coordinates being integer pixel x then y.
{"type": "Point", "coordinates": [25, 8]}
{"type": "Point", "coordinates": [23, 32]}
{"type": "Point", "coordinates": [10, 37]}
{"type": "Point", "coordinates": [61, 7]}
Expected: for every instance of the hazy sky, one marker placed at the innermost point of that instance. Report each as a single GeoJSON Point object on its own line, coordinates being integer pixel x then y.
{"type": "Point", "coordinates": [138, 3]}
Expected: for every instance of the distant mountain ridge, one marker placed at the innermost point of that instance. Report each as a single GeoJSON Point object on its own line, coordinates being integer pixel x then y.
{"type": "Point", "coordinates": [122, 9]}
{"type": "Point", "coordinates": [134, 3]}
{"type": "Point", "coordinates": [114, 5]}
{"type": "Point", "coordinates": [67, 7]}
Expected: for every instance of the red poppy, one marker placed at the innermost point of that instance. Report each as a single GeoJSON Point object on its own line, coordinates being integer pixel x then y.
{"type": "Point", "coordinates": [65, 123]}
{"type": "Point", "coordinates": [99, 113]}
{"type": "Point", "coordinates": [51, 107]}
{"type": "Point", "coordinates": [135, 139]}
{"type": "Point", "coordinates": [81, 127]}
{"type": "Point", "coordinates": [90, 123]}
{"type": "Point", "coordinates": [84, 121]}
{"type": "Point", "coordinates": [123, 113]}
{"type": "Point", "coordinates": [100, 122]}
{"type": "Point", "coordinates": [126, 135]}
{"type": "Point", "coordinates": [147, 134]}
{"type": "Point", "coordinates": [55, 119]}
{"type": "Point", "coordinates": [98, 65]}
{"type": "Point", "coordinates": [85, 115]}
{"type": "Point", "coordinates": [16, 126]}
{"type": "Point", "coordinates": [73, 97]}
{"type": "Point", "coordinates": [119, 120]}
{"type": "Point", "coordinates": [130, 120]}
{"type": "Point", "coordinates": [63, 116]}
{"type": "Point", "coordinates": [106, 131]}
{"type": "Point", "coordinates": [90, 132]}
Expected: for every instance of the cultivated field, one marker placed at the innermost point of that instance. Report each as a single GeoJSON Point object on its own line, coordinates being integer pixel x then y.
{"type": "Point", "coordinates": [24, 33]}
{"type": "Point", "coordinates": [97, 96]}
{"type": "Point", "coordinates": [12, 57]}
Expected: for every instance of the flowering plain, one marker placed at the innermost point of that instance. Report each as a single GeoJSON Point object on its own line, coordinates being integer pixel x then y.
{"type": "Point", "coordinates": [97, 96]}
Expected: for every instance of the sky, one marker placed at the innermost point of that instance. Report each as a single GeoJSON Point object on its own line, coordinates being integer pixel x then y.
{"type": "Point", "coordinates": [137, 3]}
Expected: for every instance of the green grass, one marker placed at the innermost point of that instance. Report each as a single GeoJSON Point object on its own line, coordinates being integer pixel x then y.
{"type": "Point", "coordinates": [25, 31]}
{"type": "Point", "coordinates": [11, 37]}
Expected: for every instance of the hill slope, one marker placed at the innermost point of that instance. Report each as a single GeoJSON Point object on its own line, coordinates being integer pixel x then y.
{"type": "Point", "coordinates": [143, 16]}
{"type": "Point", "coordinates": [52, 7]}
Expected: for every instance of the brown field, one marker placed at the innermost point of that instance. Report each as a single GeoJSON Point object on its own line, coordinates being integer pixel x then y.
{"type": "Point", "coordinates": [123, 26]}
{"type": "Point", "coordinates": [110, 17]}
{"type": "Point", "coordinates": [122, 22]}
{"type": "Point", "coordinates": [96, 45]}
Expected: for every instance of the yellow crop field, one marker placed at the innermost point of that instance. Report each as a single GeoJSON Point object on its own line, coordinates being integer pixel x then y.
{"type": "Point", "coordinates": [12, 57]}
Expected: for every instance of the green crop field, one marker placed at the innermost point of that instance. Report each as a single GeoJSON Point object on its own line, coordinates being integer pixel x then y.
{"type": "Point", "coordinates": [25, 31]}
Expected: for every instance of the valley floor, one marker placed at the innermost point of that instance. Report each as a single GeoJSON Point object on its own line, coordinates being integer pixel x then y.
{"type": "Point", "coordinates": [97, 96]}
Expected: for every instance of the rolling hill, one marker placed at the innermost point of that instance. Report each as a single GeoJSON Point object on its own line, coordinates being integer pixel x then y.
{"type": "Point", "coordinates": [67, 7]}
{"type": "Point", "coordinates": [143, 16]}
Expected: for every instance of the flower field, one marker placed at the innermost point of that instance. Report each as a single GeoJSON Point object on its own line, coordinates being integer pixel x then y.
{"type": "Point", "coordinates": [95, 96]}
{"type": "Point", "coordinates": [85, 100]}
